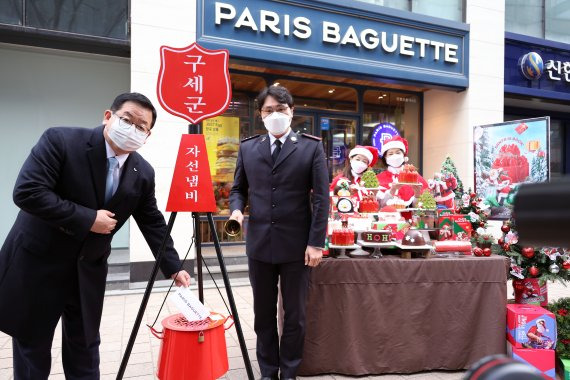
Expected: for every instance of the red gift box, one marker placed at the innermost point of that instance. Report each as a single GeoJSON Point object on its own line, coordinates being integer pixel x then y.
{"type": "Point", "coordinates": [521, 128]}
{"type": "Point", "coordinates": [531, 326]}
{"type": "Point", "coordinates": [542, 360]}
{"type": "Point", "coordinates": [459, 225]}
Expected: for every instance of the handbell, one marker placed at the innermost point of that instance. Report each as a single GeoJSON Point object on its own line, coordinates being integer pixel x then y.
{"type": "Point", "coordinates": [232, 227]}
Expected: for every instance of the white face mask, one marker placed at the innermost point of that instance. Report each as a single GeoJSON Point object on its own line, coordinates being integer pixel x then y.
{"type": "Point", "coordinates": [395, 160]}
{"type": "Point", "coordinates": [277, 123]}
{"type": "Point", "coordinates": [125, 138]}
{"type": "Point", "coordinates": [358, 166]}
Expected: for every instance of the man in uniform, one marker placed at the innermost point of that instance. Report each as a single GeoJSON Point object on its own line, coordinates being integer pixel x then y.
{"type": "Point", "coordinates": [284, 178]}
{"type": "Point", "coordinates": [76, 189]}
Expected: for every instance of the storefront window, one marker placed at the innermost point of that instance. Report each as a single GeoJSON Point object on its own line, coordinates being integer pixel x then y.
{"type": "Point", "coordinates": [402, 110]}
{"type": "Point", "coordinates": [103, 18]}
{"type": "Point", "coordinates": [223, 135]}
{"type": "Point", "coordinates": [524, 17]}
{"type": "Point", "coordinates": [11, 12]}
{"type": "Point", "coordinates": [321, 96]}
{"type": "Point", "coordinates": [557, 14]}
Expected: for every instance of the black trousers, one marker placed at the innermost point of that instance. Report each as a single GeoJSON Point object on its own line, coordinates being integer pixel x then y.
{"type": "Point", "coordinates": [273, 355]}
{"type": "Point", "coordinates": [32, 360]}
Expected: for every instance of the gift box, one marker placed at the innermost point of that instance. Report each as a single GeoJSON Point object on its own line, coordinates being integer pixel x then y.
{"type": "Point", "coordinates": [458, 224]}
{"type": "Point", "coordinates": [531, 291]}
{"type": "Point", "coordinates": [563, 367]}
{"type": "Point", "coordinates": [521, 128]}
{"type": "Point", "coordinates": [542, 360]}
{"type": "Point", "coordinates": [531, 326]}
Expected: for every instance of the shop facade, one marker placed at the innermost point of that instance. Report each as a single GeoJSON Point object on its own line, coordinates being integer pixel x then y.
{"type": "Point", "coordinates": [544, 92]}
{"type": "Point", "coordinates": [431, 74]}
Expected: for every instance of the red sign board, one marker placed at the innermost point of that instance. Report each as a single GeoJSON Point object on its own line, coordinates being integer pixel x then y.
{"type": "Point", "coordinates": [191, 188]}
{"type": "Point", "coordinates": [194, 82]}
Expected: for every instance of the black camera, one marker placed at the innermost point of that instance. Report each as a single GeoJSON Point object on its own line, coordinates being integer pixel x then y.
{"type": "Point", "coordinates": [542, 214]}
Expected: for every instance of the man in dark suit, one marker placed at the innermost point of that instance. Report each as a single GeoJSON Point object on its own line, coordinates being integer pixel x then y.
{"type": "Point", "coordinates": [75, 190]}
{"type": "Point", "coordinates": [283, 176]}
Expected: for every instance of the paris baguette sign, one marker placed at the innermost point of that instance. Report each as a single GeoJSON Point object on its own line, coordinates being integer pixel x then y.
{"type": "Point", "coordinates": [345, 36]}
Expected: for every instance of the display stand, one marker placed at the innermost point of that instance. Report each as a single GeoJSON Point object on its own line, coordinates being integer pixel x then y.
{"type": "Point", "coordinates": [193, 129]}
{"type": "Point", "coordinates": [342, 249]}
{"type": "Point", "coordinates": [377, 247]}
{"type": "Point", "coordinates": [407, 250]}
{"type": "Point", "coordinates": [150, 285]}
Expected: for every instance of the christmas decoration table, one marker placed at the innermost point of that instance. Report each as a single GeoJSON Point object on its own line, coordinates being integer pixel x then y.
{"type": "Point", "coordinates": [443, 307]}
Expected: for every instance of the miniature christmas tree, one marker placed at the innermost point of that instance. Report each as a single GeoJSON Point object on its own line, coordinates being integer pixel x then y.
{"type": "Point", "coordinates": [449, 167]}
{"type": "Point", "coordinates": [547, 264]}
{"type": "Point", "coordinates": [426, 200]}
{"type": "Point", "coordinates": [369, 179]}
{"type": "Point", "coordinates": [475, 209]}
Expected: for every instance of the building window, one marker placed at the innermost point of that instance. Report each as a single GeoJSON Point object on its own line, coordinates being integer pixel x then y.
{"type": "Point", "coordinates": [524, 17]}
{"type": "Point", "coordinates": [11, 12]}
{"type": "Point", "coordinates": [447, 9]}
{"type": "Point", "coordinates": [548, 19]}
{"type": "Point", "coordinates": [102, 18]}
{"type": "Point", "coordinates": [557, 20]}
{"type": "Point", "coordinates": [99, 18]}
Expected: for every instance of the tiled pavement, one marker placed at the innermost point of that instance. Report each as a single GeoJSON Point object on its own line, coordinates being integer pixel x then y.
{"type": "Point", "coordinates": [120, 312]}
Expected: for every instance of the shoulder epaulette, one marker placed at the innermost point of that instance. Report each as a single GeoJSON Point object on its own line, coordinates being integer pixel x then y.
{"type": "Point", "coordinates": [311, 136]}
{"type": "Point", "coordinates": [250, 137]}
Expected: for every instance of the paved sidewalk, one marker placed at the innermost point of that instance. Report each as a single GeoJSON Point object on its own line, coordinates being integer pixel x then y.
{"type": "Point", "coordinates": [120, 312]}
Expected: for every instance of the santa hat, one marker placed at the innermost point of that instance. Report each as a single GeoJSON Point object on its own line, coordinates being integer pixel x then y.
{"type": "Point", "coordinates": [395, 142]}
{"type": "Point", "coordinates": [407, 194]}
{"type": "Point", "coordinates": [370, 152]}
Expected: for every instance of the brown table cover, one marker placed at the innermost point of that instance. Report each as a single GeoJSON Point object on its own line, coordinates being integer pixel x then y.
{"type": "Point", "coordinates": [392, 315]}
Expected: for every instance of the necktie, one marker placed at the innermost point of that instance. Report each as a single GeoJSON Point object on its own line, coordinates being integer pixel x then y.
{"type": "Point", "coordinates": [112, 164]}
{"type": "Point", "coordinates": [276, 151]}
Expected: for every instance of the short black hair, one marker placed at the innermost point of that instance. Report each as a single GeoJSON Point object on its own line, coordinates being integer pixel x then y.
{"type": "Point", "coordinates": [280, 93]}
{"type": "Point", "coordinates": [136, 97]}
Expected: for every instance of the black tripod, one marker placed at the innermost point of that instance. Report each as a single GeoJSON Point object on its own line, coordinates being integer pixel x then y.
{"type": "Point", "coordinates": [150, 285]}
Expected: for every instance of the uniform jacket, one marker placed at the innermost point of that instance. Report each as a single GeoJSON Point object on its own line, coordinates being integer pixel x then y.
{"type": "Point", "coordinates": [50, 254]}
{"type": "Point", "coordinates": [288, 200]}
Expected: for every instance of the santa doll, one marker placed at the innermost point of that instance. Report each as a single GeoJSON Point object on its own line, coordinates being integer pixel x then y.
{"type": "Point", "coordinates": [394, 154]}
{"type": "Point", "coordinates": [442, 187]}
{"type": "Point", "coordinates": [504, 189]}
{"type": "Point", "coordinates": [360, 159]}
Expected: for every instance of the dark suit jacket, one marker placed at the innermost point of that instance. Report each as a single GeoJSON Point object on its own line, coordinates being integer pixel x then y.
{"type": "Point", "coordinates": [50, 250]}
{"type": "Point", "coordinates": [288, 201]}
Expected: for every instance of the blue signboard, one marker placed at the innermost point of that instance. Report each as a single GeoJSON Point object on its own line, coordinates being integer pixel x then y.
{"type": "Point", "coordinates": [325, 124]}
{"type": "Point", "coordinates": [383, 132]}
{"type": "Point", "coordinates": [344, 36]}
{"type": "Point", "coordinates": [536, 67]}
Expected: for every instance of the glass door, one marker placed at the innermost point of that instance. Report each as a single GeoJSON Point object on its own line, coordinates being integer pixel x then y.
{"type": "Point", "coordinates": [339, 137]}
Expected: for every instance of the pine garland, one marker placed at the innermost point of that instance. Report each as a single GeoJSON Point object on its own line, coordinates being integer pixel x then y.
{"type": "Point", "coordinates": [547, 264]}
{"type": "Point", "coordinates": [561, 309]}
